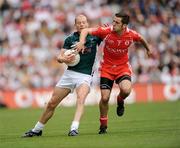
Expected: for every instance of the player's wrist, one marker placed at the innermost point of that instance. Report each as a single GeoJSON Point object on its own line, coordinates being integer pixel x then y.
{"type": "Point", "coordinates": [82, 42]}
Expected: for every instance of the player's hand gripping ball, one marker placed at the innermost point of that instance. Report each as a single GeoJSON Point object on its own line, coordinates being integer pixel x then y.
{"type": "Point", "coordinates": [76, 59]}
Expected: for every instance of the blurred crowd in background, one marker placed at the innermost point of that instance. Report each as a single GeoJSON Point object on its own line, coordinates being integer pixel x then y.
{"type": "Point", "coordinates": [32, 33]}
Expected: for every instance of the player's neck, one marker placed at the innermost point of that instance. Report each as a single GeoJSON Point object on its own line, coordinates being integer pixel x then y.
{"type": "Point", "coordinates": [120, 32]}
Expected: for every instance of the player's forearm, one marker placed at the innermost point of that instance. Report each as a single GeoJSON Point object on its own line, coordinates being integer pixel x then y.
{"type": "Point", "coordinates": [83, 36]}
{"type": "Point", "coordinates": [60, 57]}
{"type": "Point", "coordinates": [82, 40]}
{"type": "Point", "coordinates": [145, 44]}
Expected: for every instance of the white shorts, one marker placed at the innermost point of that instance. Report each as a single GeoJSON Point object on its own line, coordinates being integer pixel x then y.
{"type": "Point", "coordinates": [72, 79]}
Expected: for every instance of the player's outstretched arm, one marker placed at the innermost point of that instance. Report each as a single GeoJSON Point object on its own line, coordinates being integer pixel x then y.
{"type": "Point", "coordinates": [146, 45]}
{"type": "Point", "coordinates": [82, 39]}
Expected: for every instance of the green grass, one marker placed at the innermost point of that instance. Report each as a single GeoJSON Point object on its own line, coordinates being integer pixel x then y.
{"type": "Point", "coordinates": [153, 125]}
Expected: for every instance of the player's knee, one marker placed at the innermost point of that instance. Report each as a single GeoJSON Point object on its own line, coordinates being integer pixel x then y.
{"type": "Point", "coordinates": [104, 99]}
{"type": "Point", "coordinates": [125, 91]}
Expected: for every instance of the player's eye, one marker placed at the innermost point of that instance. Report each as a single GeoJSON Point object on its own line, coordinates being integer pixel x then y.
{"type": "Point", "coordinates": [79, 23]}
{"type": "Point", "coordinates": [116, 22]}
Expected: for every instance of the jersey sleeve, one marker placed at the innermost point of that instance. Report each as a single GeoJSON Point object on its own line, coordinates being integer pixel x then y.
{"type": "Point", "coordinates": [101, 32]}
{"type": "Point", "coordinates": [136, 36]}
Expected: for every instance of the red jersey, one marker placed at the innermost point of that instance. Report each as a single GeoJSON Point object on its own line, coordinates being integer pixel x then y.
{"type": "Point", "coordinates": [116, 61]}
{"type": "Point", "coordinates": [116, 46]}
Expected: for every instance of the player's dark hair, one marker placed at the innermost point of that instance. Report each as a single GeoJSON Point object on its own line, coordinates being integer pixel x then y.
{"type": "Point", "coordinates": [125, 17]}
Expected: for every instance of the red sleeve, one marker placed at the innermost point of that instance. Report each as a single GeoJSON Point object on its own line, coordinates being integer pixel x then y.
{"type": "Point", "coordinates": [136, 36]}
{"type": "Point", "coordinates": [101, 32]}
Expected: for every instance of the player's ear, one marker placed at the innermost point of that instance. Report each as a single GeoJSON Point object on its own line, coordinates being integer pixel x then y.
{"type": "Point", "coordinates": [124, 26]}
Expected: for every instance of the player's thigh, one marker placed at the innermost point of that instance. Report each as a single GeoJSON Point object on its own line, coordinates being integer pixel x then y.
{"type": "Point", "coordinates": [66, 81]}
{"type": "Point", "coordinates": [58, 95]}
{"type": "Point", "coordinates": [82, 91]}
{"type": "Point", "coordinates": [83, 83]}
{"type": "Point", "coordinates": [125, 86]}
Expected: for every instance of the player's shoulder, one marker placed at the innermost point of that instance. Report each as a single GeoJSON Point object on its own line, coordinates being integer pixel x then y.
{"type": "Point", "coordinates": [70, 35]}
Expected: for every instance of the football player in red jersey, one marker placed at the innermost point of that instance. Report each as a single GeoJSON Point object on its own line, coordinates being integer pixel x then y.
{"type": "Point", "coordinates": [115, 66]}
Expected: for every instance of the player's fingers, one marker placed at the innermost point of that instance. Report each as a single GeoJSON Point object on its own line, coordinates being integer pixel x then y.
{"type": "Point", "coordinates": [79, 46]}
{"type": "Point", "coordinates": [71, 58]}
{"type": "Point", "coordinates": [68, 57]}
{"type": "Point", "coordinates": [78, 49]}
{"type": "Point", "coordinates": [71, 55]}
{"type": "Point", "coordinates": [72, 46]}
{"type": "Point", "coordinates": [105, 25]}
{"type": "Point", "coordinates": [83, 50]}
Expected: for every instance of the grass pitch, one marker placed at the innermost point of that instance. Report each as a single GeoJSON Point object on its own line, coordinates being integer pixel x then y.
{"type": "Point", "coordinates": [152, 125]}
